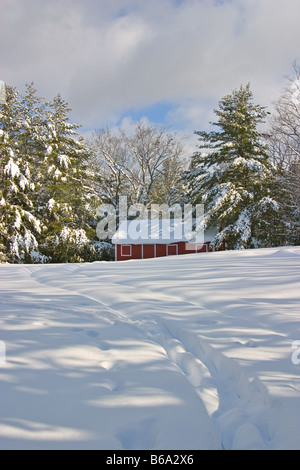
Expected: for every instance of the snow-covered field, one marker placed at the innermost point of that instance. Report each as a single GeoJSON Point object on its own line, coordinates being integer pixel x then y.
{"type": "Point", "coordinates": [187, 352]}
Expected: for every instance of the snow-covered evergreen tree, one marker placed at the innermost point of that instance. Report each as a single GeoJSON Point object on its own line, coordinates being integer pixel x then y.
{"type": "Point", "coordinates": [233, 178]}
{"type": "Point", "coordinates": [20, 227]}
{"type": "Point", "coordinates": [64, 189]}
{"type": "Point", "coordinates": [45, 198]}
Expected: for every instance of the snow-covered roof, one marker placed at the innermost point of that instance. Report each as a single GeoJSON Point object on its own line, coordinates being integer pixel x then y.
{"type": "Point", "coordinates": [148, 232]}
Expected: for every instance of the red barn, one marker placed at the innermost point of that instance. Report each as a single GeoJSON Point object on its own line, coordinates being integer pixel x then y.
{"type": "Point", "coordinates": [140, 239]}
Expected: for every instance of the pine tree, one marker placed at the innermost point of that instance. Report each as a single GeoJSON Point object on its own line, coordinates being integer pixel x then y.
{"type": "Point", "coordinates": [20, 228]}
{"type": "Point", "coordinates": [234, 178]}
{"type": "Point", "coordinates": [46, 201]}
{"type": "Point", "coordinates": [65, 189]}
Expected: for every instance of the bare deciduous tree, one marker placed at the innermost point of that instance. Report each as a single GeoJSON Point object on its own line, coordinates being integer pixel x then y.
{"type": "Point", "coordinates": [285, 124]}
{"type": "Point", "coordinates": [284, 142]}
{"type": "Point", "coordinates": [144, 166]}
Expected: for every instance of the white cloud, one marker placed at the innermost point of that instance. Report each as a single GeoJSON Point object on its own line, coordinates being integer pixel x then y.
{"type": "Point", "coordinates": [106, 57]}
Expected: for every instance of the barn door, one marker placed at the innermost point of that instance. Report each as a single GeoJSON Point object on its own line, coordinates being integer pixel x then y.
{"type": "Point", "coordinates": [148, 251]}
{"type": "Point", "coordinates": [172, 250]}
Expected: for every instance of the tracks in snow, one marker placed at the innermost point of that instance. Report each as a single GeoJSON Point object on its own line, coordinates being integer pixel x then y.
{"type": "Point", "coordinates": [238, 405]}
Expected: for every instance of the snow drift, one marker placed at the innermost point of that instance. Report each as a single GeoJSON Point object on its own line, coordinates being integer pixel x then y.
{"type": "Point", "coordinates": [185, 352]}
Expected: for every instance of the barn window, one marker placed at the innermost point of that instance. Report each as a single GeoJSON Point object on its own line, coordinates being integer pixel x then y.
{"type": "Point", "coordinates": [125, 250]}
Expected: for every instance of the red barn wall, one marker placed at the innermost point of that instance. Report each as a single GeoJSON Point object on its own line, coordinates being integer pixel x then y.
{"type": "Point", "coordinates": [126, 252]}
{"type": "Point", "coordinates": [160, 251]}
{"type": "Point", "coordinates": [149, 251]}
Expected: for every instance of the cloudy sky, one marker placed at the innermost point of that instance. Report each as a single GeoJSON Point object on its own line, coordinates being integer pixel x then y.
{"type": "Point", "coordinates": [170, 61]}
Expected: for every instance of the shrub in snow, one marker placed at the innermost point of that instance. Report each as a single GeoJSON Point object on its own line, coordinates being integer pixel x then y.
{"type": "Point", "coordinates": [103, 251]}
